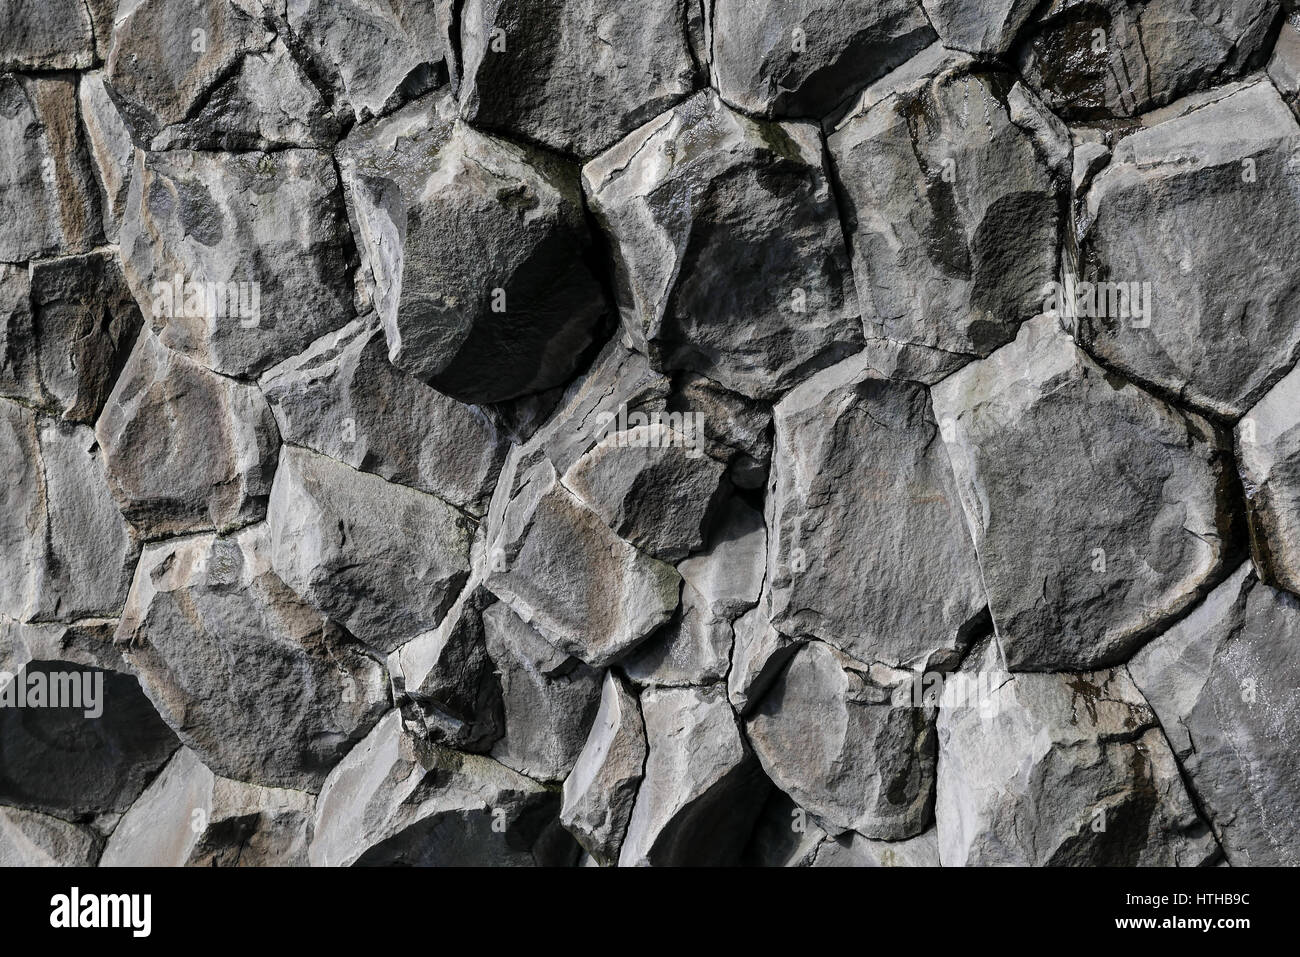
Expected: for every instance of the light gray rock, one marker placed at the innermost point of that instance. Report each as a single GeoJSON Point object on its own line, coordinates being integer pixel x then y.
{"type": "Point", "coordinates": [758, 656]}
{"type": "Point", "coordinates": [702, 789]}
{"type": "Point", "coordinates": [830, 735]}
{"type": "Point", "coordinates": [477, 249]}
{"type": "Point", "coordinates": [1145, 54]}
{"type": "Point", "coordinates": [383, 560]}
{"type": "Point", "coordinates": [447, 682]}
{"type": "Point", "coordinates": [549, 698]}
{"type": "Point", "coordinates": [1078, 581]}
{"type": "Point", "coordinates": [1284, 64]}
{"type": "Point", "coordinates": [238, 260]}
{"type": "Point", "coordinates": [28, 839]}
{"type": "Point", "coordinates": [953, 213]}
{"type": "Point", "coordinates": [729, 257]}
{"type": "Point", "coordinates": [67, 552]}
{"type": "Point", "coordinates": [70, 324]}
{"type": "Point", "coordinates": [559, 568]}
{"type": "Point", "coordinates": [375, 55]}
{"type": "Point", "coordinates": [343, 398]}
{"type": "Point", "coordinates": [110, 147]}
{"type": "Point", "coordinates": [1223, 683]}
{"type": "Point", "coordinates": [600, 790]}
{"type": "Point", "coordinates": [1059, 769]}
{"type": "Point", "coordinates": [255, 681]}
{"type": "Point", "coordinates": [981, 27]}
{"type": "Point", "coordinates": [185, 449]}
{"type": "Point", "coordinates": [50, 35]}
{"type": "Point", "coordinates": [49, 199]}
{"type": "Point", "coordinates": [1268, 456]}
{"type": "Point", "coordinates": [394, 800]}
{"type": "Point", "coordinates": [805, 58]}
{"type": "Point", "coordinates": [574, 75]}
{"type": "Point", "coordinates": [854, 850]}
{"type": "Point", "coordinates": [1222, 322]}
{"type": "Point", "coordinates": [190, 817]}
{"type": "Point", "coordinates": [854, 451]}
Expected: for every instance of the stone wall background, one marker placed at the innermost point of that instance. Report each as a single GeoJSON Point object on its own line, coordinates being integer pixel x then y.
{"type": "Point", "coordinates": [678, 432]}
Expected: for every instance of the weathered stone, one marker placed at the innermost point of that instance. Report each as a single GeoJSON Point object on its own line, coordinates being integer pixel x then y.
{"type": "Point", "coordinates": [190, 817]}
{"type": "Point", "coordinates": [185, 448]}
{"type": "Point", "coordinates": [559, 568]}
{"type": "Point", "coordinates": [48, 35]}
{"type": "Point", "coordinates": [805, 58]}
{"type": "Point", "coordinates": [478, 251]}
{"type": "Point", "coordinates": [1099, 512]}
{"type": "Point", "coordinates": [1284, 64]}
{"type": "Point", "coordinates": [49, 200]}
{"type": "Point", "coordinates": [446, 680]}
{"type": "Point", "coordinates": [383, 560]}
{"type": "Point", "coordinates": [1221, 321]}
{"type": "Point", "coordinates": [736, 430]}
{"type": "Point", "coordinates": [854, 850]}
{"type": "Point", "coordinates": [574, 76]}
{"type": "Point", "coordinates": [784, 836]}
{"type": "Point", "coordinates": [729, 257]}
{"type": "Point", "coordinates": [1223, 683]}
{"type": "Point", "coordinates": [549, 697]}
{"type": "Point", "coordinates": [758, 656]}
{"type": "Point", "coordinates": [702, 789]}
{"type": "Point", "coordinates": [256, 682]}
{"type": "Point", "coordinates": [70, 325]}
{"type": "Point", "coordinates": [1268, 455]}
{"type": "Point", "coordinates": [28, 839]}
{"type": "Point", "coordinates": [111, 149]}
{"type": "Point", "coordinates": [953, 214]}
{"type": "Point", "coordinates": [394, 800]}
{"type": "Point", "coordinates": [1059, 769]}
{"type": "Point", "coordinates": [830, 734]}
{"type": "Point", "coordinates": [856, 451]}
{"type": "Point", "coordinates": [238, 260]}
{"type": "Point", "coordinates": [1145, 55]}
{"type": "Point", "coordinates": [979, 27]}
{"type": "Point", "coordinates": [65, 551]}
{"type": "Point", "coordinates": [601, 789]}
{"type": "Point", "coordinates": [376, 55]}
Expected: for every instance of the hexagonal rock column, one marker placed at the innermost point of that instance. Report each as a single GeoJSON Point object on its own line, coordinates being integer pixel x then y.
{"type": "Point", "coordinates": [185, 449]}
{"type": "Point", "coordinates": [575, 75]}
{"type": "Point", "coordinates": [729, 257]}
{"type": "Point", "coordinates": [854, 451]}
{"type": "Point", "coordinates": [262, 687]}
{"type": "Point", "coordinates": [1223, 683]}
{"type": "Point", "coordinates": [477, 252]}
{"type": "Point", "coordinates": [1223, 309]}
{"type": "Point", "coordinates": [238, 260]}
{"type": "Point", "coordinates": [1060, 769]}
{"type": "Point", "coordinates": [1268, 455]}
{"type": "Point", "coordinates": [954, 213]}
{"type": "Point", "coordinates": [802, 59]}
{"type": "Point", "coordinates": [1099, 512]}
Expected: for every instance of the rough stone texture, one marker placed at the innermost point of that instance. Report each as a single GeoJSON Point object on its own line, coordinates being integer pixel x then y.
{"type": "Point", "coordinates": [729, 258]}
{"type": "Point", "coordinates": [804, 433]}
{"type": "Point", "coordinates": [1078, 582]}
{"type": "Point", "coordinates": [1223, 684]}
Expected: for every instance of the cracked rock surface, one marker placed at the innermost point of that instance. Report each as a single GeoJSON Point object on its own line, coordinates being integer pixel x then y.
{"type": "Point", "coordinates": [804, 433]}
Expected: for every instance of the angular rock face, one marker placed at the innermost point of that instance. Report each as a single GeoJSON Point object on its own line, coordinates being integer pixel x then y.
{"type": "Point", "coordinates": [396, 801]}
{"type": "Point", "coordinates": [830, 735]}
{"type": "Point", "coordinates": [49, 199]}
{"type": "Point", "coordinates": [477, 250]}
{"type": "Point", "coordinates": [28, 839]}
{"type": "Point", "coordinates": [803, 59]}
{"type": "Point", "coordinates": [185, 449]}
{"type": "Point", "coordinates": [953, 213]}
{"type": "Point", "coordinates": [238, 260]}
{"type": "Point", "coordinates": [729, 258]}
{"type": "Point", "coordinates": [343, 398]}
{"type": "Point", "coordinates": [1113, 59]}
{"type": "Point", "coordinates": [1223, 684]}
{"type": "Point", "coordinates": [1064, 769]}
{"type": "Point", "coordinates": [56, 35]}
{"type": "Point", "coordinates": [702, 789]}
{"type": "Point", "coordinates": [305, 691]}
{"type": "Point", "coordinates": [1077, 582]}
{"type": "Point", "coordinates": [979, 27]}
{"type": "Point", "coordinates": [1216, 331]}
{"type": "Point", "coordinates": [189, 817]}
{"type": "Point", "coordinates": [854, 449]}
{"type": "Point", "coordinates": [574, 76]}
{"type": "Point", "coordinates": [1268, 454]}
{"type": "Point", "coordinates": [110, 147]}
{"type": "Point", "coordinates": [383, 560]}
